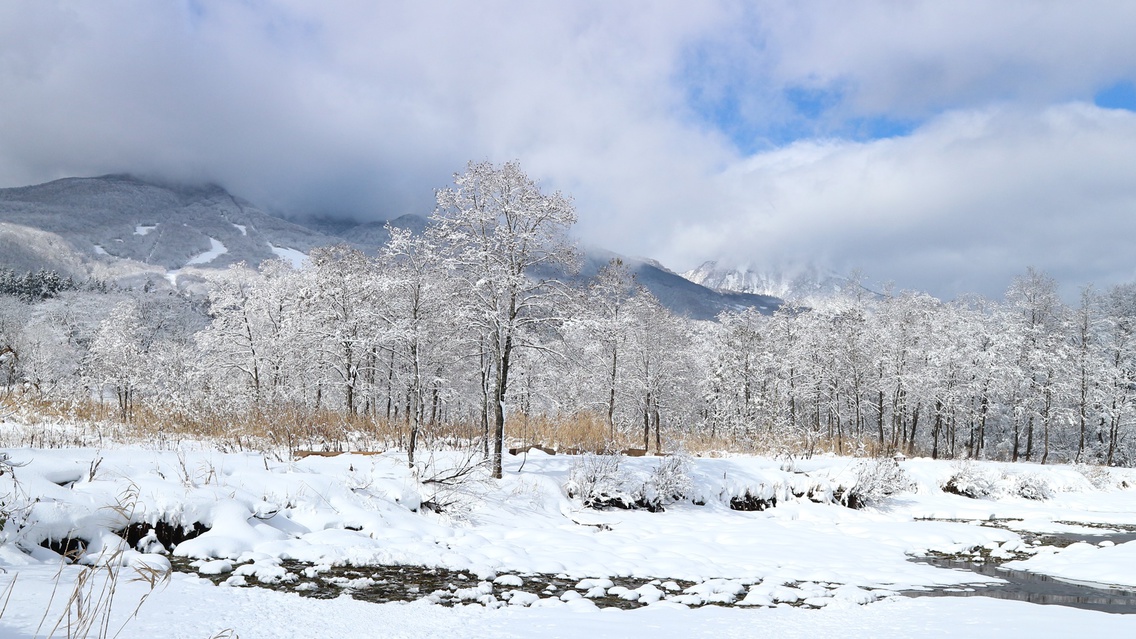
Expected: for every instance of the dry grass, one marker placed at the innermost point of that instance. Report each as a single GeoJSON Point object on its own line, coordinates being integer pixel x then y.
{"type": "Point", "coordinates": [589, 432]}
{"type": "Point", "coordinates": [579, 432]}
{"type": "Point", "coordinates": [77, 423]}
{"type": "Point", "coordinates": [287, 429]}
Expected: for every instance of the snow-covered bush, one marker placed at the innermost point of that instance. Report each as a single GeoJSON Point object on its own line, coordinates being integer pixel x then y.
{"type": "Point", "coordinates": [969, 480]}
{"type": "Point", "coordinates": [788, 463]}
{"type": "Point", "coordinates": [671, 480]}
{"type": "Point", "coordinates": [754, 500]}
{"type": "Point", "coordinates": [1098, 476]}
{"type": "Point", "coordinates": [876, 480]}
{"type": "Point", "coordinates": [447, 483]}
{"type": "Point", "coordinates": [598, 481]}
{"type": "Point", "coordinates": [1031, 486]}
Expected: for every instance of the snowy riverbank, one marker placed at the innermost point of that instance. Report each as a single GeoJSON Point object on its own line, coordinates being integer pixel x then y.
{"type": "Point", "coordinates": [369, 509]}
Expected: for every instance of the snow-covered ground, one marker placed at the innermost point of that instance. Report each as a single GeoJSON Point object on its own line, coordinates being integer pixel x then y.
{"type": "Point", "coordinates": [216, 249]}
{"type": "Point", "coordinates": [292, 256]}
{"type": "Point", "coordinates": [844, 565]}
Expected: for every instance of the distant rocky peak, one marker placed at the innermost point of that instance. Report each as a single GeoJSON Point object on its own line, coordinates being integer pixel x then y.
{"type": "Point", "coordinates": [791, 283]}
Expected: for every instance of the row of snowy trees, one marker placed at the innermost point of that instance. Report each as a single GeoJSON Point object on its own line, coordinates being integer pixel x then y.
{"type": "Point", "coordinates": [472, 323]}
{"type": "Point", "coordinates": [35, 286]}
{"type": "Point", "coordinates": [1029, 378]}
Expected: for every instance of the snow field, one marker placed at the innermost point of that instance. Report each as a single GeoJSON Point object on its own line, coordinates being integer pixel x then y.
{"type": "Point", "coordinates": [216, 249]}
{"type": "Point", "coordinates": [354, 510]}
{"type": "Point", "coordinates": [294, 257]}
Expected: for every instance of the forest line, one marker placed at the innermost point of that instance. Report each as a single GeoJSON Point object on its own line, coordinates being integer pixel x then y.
{"type": "Point", "coordinates": [473, 328]}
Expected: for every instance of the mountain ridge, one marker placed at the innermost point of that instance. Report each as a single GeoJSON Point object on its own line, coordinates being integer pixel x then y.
{"type": "Point", "coordinates": [136, 231]}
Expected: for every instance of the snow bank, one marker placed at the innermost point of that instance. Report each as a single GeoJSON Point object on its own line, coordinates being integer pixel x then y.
{"type": "Point", "coordinates": [243, 514]}
{"type": "Point", "coordinates": [1107, 564]}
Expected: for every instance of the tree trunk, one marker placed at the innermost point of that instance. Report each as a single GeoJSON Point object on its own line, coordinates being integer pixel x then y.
{"type": "Point", "coordinates": [1029, 438]}
{"type": "Point", "coordinates": [880, 417]}
{"type": "Point", "coordinates": [611, 394]}
{"type": "Point", "coordinates": [416, 409]}
{"type": "Point", "coordinates": [936, 429]}
{"type": "Point", "coordinates": [499, 391]}
{"type": "Point", "coordinates": [647, 421]}
{"type": "Point", "coordinates": [658, 440]}
{"type": "Point", "coordinates": [484, 403]}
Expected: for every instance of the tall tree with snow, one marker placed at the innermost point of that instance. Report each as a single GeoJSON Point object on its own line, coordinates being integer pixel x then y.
{"type": "Point", "coordinates": [506, 240]}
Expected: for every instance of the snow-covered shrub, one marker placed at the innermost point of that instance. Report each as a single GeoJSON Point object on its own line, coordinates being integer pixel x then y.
{"type": "Point", "coordinates": [754, 500]}
{"type": "Point", "coordinates": [969, 480]}
{"type": "Point", "coordinates": [598, 481]}
{"type": "Point", "coordinates": [671, 480]}
{"type": "Point", "coordinates": [1031, 486]}
{"type": "Point", "coordinates": [788, 463]}
{"type": "Point", "coordinates": [1098, 476]}
{"type": "Point", "coordinates": [816, 489]}
{"type": "Point", "coordinates": [876, 480]}
{"type": "Point", "coordinates": [451, 484]}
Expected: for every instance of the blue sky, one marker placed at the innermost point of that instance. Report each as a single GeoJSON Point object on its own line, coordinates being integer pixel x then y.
{"type": "Point", "coordinates": [807, 114]}
{"type": "Point", "coordinates": [1118, 95]}
{"type": "Point", "coordinates": [811, 113]}
{"type": "Point", "coordinates": [732, 90]}
{"type": "Point", "coordinates": [943, 146]}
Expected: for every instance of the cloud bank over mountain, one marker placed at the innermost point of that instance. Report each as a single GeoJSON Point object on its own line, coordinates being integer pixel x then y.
{"type": "Point", "coordinates": [945, 146]}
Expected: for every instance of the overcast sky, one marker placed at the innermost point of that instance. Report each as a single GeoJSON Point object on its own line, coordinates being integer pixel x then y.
{"type": "Point", "coordinates": [942, 146]}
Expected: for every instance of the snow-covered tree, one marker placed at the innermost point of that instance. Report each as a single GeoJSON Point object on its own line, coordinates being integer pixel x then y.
{"type": "Point", "coordinates": [117, 355]}
{"type": "Point", "coordinates": [661, 369]}
{"type": "Point", "coordinates": [603, 325]}
{"type": "Point", "coordinates": [1117, 385]}
{"type": "Point", "coordinates": [505, 241]}
{"type": "Point", "coordinates": [418, 298]}
{"type": "Point", "coordinates": [14, 316]}
{"type": "Point", "coordinates": [1038, 330]}
{"type": "Point", "coordinates": [739, 389]}
{"type": "Point", "coordinates": [343, 316]}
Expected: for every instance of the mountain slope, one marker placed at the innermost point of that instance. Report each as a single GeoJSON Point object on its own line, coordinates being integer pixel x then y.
{"type": "Point", "coordinates": [134, 232]}
{"type": "Point", "coordinates": [29, 249]}
{"type": "Point", "coordinates": [168, 226]}
{"type": "Point", "coordinates": [678, 293]}
{"type": "Point", "coordinates": [369, 234]}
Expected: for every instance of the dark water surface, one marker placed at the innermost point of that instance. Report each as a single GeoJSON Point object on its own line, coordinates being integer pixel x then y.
{"type": "Point", "coordinates": [1037, 588]}
{"type": "Point", "coordinates": [381, 584]}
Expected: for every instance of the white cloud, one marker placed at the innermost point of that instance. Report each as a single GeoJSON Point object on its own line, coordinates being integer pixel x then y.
{"type": "Point", "coordinates": [911, 58]}
{"type": "Point", "coordinates": [961, 205]}
{"type": "Point", "coordinates": [364, 108]}
{"type": "Point", "coordinates": [354, 104]}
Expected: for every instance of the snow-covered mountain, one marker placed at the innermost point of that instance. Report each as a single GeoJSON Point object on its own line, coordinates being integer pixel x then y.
{"type": "Point", "coordinates": [135, 232]}
{"type": "Point", "coordinates": [677, 293]}
{"type": "Point", "coordinates": [792, 284]}
{"type": "Point", "coordinates": [128, 230]}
